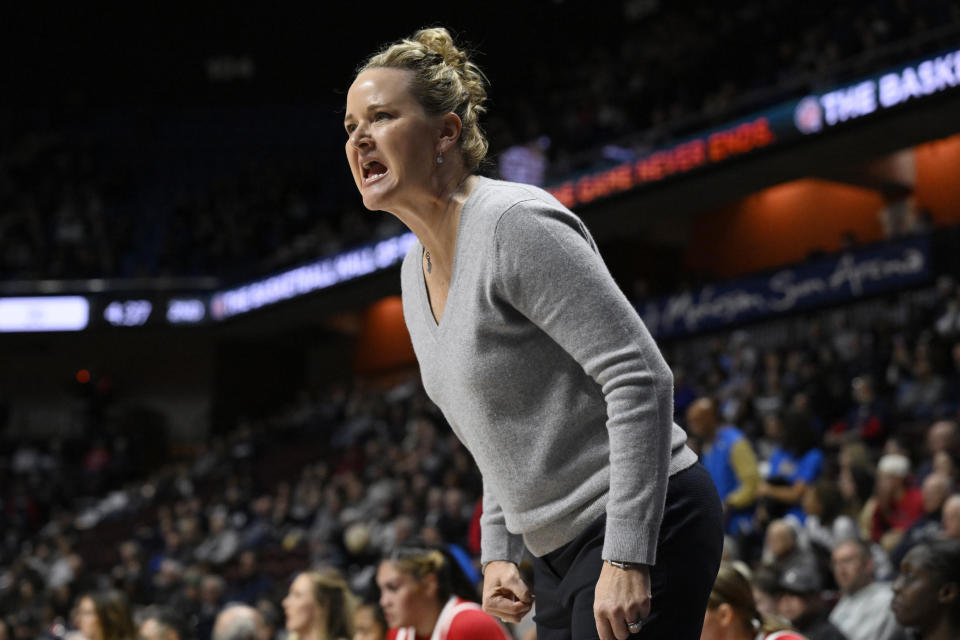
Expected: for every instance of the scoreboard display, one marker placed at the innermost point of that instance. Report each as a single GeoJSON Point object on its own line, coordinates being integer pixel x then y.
{"type": "Point", "coordinates": [77, 313]}
{"type": "Point", "coordinates": [102, 310]}
{"type": "Point", "coordinates": [139, 312]}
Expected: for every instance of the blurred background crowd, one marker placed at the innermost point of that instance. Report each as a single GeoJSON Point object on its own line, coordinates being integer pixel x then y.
{"type": "Point", "coordinates": [234, 193]}
{"type": "Point", "coordinates": [849, 417]}
{"type": "Point", "coordinates": [832, 435]}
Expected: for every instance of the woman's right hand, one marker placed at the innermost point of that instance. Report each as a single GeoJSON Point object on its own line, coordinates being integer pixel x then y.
{"type": "Point", "coordinates": [505, 594]}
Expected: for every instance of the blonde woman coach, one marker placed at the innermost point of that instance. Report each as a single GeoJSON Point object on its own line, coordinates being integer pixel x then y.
{"type": "Point", "coordinates": [539, 363]}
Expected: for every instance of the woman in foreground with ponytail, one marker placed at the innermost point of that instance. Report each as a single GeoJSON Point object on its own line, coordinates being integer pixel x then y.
{"type": "Point", "coordinates": [732, 612]}
{"type": "Point", "coordinates": [539, 363]}
{"type": "Point", "coordinates": [424, 595]}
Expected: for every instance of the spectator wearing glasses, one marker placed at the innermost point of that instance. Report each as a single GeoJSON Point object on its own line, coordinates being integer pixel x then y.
{"type": "Point", "coordinates": [863, 611]}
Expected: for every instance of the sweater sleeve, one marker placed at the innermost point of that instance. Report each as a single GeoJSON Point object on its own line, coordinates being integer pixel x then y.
{"type": "Point", "coordinates": [496, 543]}
{"type": "Point", "coordinates": [549, 269]}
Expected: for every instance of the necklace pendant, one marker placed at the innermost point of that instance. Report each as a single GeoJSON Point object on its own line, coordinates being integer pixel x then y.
{"type": "Point", "coordinates": [429, 264]}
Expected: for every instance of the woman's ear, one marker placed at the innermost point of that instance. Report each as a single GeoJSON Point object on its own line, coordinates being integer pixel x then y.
{"type": "Point", "coordinates": [725, 614]}
{"type": "Point", "coordinates": [450, 127]}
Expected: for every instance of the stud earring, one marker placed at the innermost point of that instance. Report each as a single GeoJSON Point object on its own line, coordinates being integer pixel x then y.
{"type": "Point", "coordinates": [440, 158]}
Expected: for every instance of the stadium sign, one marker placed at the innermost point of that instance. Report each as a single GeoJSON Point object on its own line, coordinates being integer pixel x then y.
{"type": "Point", "coordinates": [311, 277]}
{"type": "Point", "coordinates": [789, 121]}
{"type": "Point", "coordinates": [698, 152]}
{"type": "Point", "coordinates": [839, 278]}
{"type": "Point", "coordinates": [927, 78]}
{"type": "Point", "coordinates": [910, 82]}
{"type": "Point", "coordinates": [105, 311]}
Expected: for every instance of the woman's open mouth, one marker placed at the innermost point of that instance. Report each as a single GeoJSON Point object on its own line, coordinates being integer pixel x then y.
{"type": "Point", "coordinates": [372, 171]}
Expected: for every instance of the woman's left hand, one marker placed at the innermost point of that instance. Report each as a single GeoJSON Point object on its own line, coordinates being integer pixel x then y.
{"type": "Point", "coordinates": [622, 596]}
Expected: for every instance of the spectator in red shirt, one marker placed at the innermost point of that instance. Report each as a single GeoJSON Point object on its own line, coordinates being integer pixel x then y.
{"type": "Point", "coordinates": [896, 504]}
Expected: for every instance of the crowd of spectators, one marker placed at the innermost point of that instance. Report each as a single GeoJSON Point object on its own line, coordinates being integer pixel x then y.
{"type": "Point", "coordinates": [277, 212]}
{"type": "Point", "coordinates": [69, 211]}
{"type": "Point", "coordinates": [834, 442]}
{"type": "Point", "coordinates": [844, 424]}
{"type": "Point", "coordinates": [71, 208]}
{"type": "Point", "coordinates": [333, 480]}
{"type": "Point", "coordinates": [60, 209]}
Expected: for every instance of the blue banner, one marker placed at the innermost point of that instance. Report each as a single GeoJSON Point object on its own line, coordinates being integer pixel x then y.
{"type": "Point", "coordinates": [838, 278]}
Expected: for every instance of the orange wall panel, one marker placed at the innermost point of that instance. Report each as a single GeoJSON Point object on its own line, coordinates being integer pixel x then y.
{"type": "Point", "coordinates": [938, 179]}
{"type": "Point", "coordinates": [781, 225]}
{"type": "Point", "coordinates": [384, 343]}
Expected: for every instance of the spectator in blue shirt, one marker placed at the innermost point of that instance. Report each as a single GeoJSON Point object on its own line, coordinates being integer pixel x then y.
{"type": "Point", "coordinates": [795, 463]}
{"type": "Point", "coordinates": [729, 457]}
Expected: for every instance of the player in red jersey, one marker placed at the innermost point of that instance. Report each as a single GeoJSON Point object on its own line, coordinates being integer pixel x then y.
{"type": "Point", "coordinates": [425, 596]}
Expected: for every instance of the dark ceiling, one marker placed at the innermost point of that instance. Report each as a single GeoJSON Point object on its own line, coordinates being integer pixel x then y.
{"type": "Point", "coordinates": [139, 53]}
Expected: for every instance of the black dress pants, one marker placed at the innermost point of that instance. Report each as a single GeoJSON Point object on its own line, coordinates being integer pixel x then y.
{"type": "Point", "coordinates": [689, 547]}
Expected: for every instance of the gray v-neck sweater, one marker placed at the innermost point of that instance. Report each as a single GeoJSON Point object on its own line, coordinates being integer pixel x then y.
{"type": "Point", "coordinates": [548, 376]}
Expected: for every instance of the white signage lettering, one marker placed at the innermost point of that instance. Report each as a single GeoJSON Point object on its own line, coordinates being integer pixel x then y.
{"type": "Point", "coordinates": [868, 96]}
{"type": "Point", "coordinates": [852, 102]}
{"type": "Point", "coordinates": [311, 277]}
{"type": "Point", "coordinates": [929, 77]}
{"type": "Point", "coordinates": [785, 290]}
{"type": "Point", "coordinates": [186, 311]}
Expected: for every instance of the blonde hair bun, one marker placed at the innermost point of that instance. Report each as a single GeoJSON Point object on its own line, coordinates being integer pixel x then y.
{"type": "Point", "coordinates": [439, 41]}
{"type": "Point", "coordinates": [444, 80]}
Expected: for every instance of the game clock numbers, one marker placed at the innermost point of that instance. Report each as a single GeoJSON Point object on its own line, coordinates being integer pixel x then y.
{"type": "Point", "coordinates": [128, 313]}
